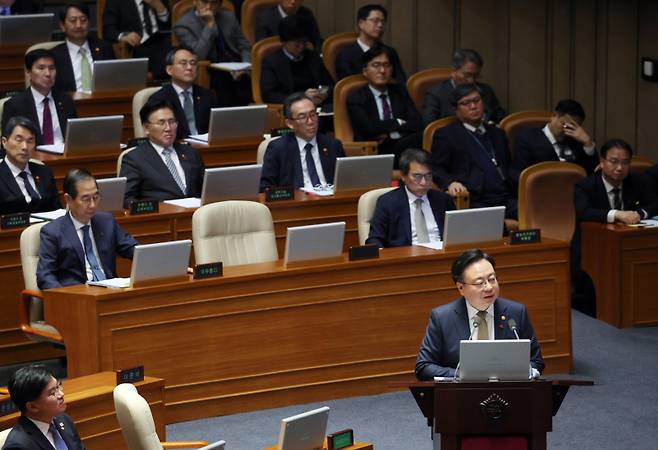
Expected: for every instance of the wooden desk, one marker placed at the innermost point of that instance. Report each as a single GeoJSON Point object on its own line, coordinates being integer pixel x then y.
{"type": "Point", "coordinates": [91, 406]}
{"type": "Point", "coordinates": [108, 104]}
{"type": "Point", "coordinates": [12, 69]}
{"type": "Point", "coordinates": [264, 336]}
{"type": "Point", "coordinates": [623, 264]}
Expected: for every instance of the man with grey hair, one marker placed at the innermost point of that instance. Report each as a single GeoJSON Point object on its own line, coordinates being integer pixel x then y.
{"type": "Point", "coordinates": [466, 67]}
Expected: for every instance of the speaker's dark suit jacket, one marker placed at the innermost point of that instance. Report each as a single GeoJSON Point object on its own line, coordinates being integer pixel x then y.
{"type": "Point", "coordinates": [390, 225]}
{"type": "Point", "coordinates": [282, 165]}
{"type": "Point", "coordinates": [149, 177]}
{"type": "Point", "coordinates": [26, 436]}
{"type": "Point", "coordinates": [651, 178]}
{"type": "Point", "coordinates": [349, 61]}
{"type": "Point", "coordinates": [25, 7]}
{"type": "Point", "coordinates": [204, 100]}
{"type": "Point", "coordinates": [437, 103]}
{"type": "Point", "coordinates": [121, 16]}
{"type": "Point", "coordinates": [267, 24]}
{"type": "Point", "coordinates": [62, 257]}
{"type": "Point", "coordinates": [531, 146]}
{"type": "Point", "coordinates": [65, 80]}
{"type": "Point", "coordinates": [449, 324]}
{"type": "Point", "coordinates": [276, 80]}
{"type": "Point", "coordinates": [22, 104]}
{"type": "Point", "coordinates": [12, 199]}
{"type": "Point", "coordinates": [364, 116]}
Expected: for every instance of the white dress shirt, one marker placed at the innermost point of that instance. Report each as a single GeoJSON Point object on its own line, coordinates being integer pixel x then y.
{"type": "Point", "coordinates": [611, 199]}
{"type": "Point", "coordinates": [58, 138]}
{"type": "Point", "coordinates": [473, 313]}
{"type": "Point", "coordinates": [76, 59]}
{"type": "Point", "coordinates": [430, 222]}
{"type": "Point", "coordinates": [316, 160]}
{"type": "Point", "coordinates": [179, 92]}
{"type": "Point", "coordinates": [45, 429]}
{"type": "Point", "coordinates": [549, 135]}
{"type": "Point", "coordinates": [174, 158]}
{"type": "Point", "coordinates": [21, 184]}
{"type": "Point", "coordinates": [78, 229]}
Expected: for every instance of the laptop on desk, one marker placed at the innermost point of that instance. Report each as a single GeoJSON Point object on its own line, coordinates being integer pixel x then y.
{"type": "Point", "coordinates": [88, 136]}
{"type": "Point", "coordinates": [119, 75]}
{"type": "Point", "coordinates": [501, 360]}
{"type": "Point", "coordinates": [112, 192]}
{"type": "Point", "coordinates": [239, 122]}
{"type": "Point", "coordinates": [160, 261]}
{"type": "Point", "coordinates": [26, 29]}
{"type": "Point", "coordinates": [230, 183]}
{"type": "Point", "coordinates": [310, 242]}
{"type": "Point", "coordinates": [466, 226]}
{"type": "Point", "coordinates": [363, 172]}
{"type": "Point", "coordinates": [304, 431]}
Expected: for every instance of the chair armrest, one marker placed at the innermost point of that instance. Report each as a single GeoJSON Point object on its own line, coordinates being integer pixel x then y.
{"type": "Point", "coordinates": [360, 148]}
{"type": "Point", "coordinates": [183, 444]}
{"type": "Point", "coordinates": [275, 117]}
{"type": "Point", "coordinates": [24, 317]}
{"type": "Point", "coordinates": [122, 50]}
{"type": "Point", "coordinates": [462, 201]}
{"type": "Point", "coordinates": [4, 391]}
{"type": "Point", "coordinates": [203, 74]}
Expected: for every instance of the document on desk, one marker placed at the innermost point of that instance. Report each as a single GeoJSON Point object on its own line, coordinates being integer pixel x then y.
{"type": "Point", "coordinates": [434, 245]}
{"type": "Point", "coordinates": [49, 215]}
{"type": "Point", "coordinates": [57, 149]}
{"type": "Point", "coordinates": [648, 223]}
{"type": "Point", "coordinates": [202, 138]}
{"type": "Point", "coordinates": [189, 202]}
{"type": "Point", "coordinates": [116, 283]}
{"type": "Point", "coordinates": [236, 69]}
{"type": "Point", "coordinates": [326, 191]}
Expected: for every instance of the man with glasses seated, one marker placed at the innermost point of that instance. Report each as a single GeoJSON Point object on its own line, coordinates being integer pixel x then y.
{"type": "Point", "coordinates": [414, 212]}
{"type": "Point", "coordinates": [81, 245]}
{"type": "Point", "coordinates": [302, 158]}
{"type": "Point", "coordinates": [192, 103]}
{"type": "Point", "coordinates": [478, 314]}
{"type": "Point", "coordinates": [42, 424]}
{"type": "Point", "coordinates": [161, 169]}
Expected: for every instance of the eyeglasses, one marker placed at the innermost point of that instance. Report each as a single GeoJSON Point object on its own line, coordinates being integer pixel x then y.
{"type": "Point", "coordinates": [378, 65]}
{"type": "Point", "coordinates": [185, 63]}
{"type": "Point", "coordinates": [472, 101]}
{"type": "Point", "coordinates": [376, 21]}
{"type": "Point", "coordinates": [618, 162]}
{"type": "Point", "coordinates": [59, 388]}
{"type": "Point", "coordinates": [492, 280]}
{"type": "Point", "coordinates": [164, 122]}
{"type": "Point", "coordinates": [418, 177]}
{"type": "Point", "coordinates": [89, 198]}
{"type": "Point", "coordinates": [305, 117]}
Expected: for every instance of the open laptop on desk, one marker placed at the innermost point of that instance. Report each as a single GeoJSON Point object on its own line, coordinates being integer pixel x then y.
{"type": "Point", "coordinates": [89, 136]}
{"type": "Point", "coordinates": [119, 75]}
{"type": "Point", "coordinates": [239, 122]}
{"type": "Point", "coordinates": [502, 360]}
{"type": "Point", "coordinates": [160, 261]}
{"type": "Point", "coordinates": [304, 431]}
{"type": "Point", "coordinates": [230, 183]}
{"type": "Point", "coordinates": [25, 29]}
{"type": "Point", "coordinates": [465, 226]}
{"type": "Point", "coordinates": [310, 242]}
{"type": "Point", "coordinates": [112, 191]}
{"type": "Point", "coordinates": [363, 172]}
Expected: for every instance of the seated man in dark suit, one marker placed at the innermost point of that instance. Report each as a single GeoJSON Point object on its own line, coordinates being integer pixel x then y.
{"type": "Point", "coordinates": [192, 103]}
{"type": "Point", "coordinates": [562, 139]}
{"type": "Point", "coordinates": [268, 20]}
{"type": "Point", "coordinates": [214, 34]}
{"type": "Point", "coordinates": [141, 24]}
{"type": "Point", "coordinates": [479, 314]}
{"type": "Point", "coordinates": [18, 7]}
{"type": "Point", "coordinates": [371, 21]}
{"type": "Point", "coordinates": [41, 98]}
{"type": "Point", "coordinates": [466, 67]}
{"type": "Point", "coordinates": [42, 424]}
{"type": "Point", "coordinates": [294, 68]}
{"type": "Point", "coordinates": [24, 186]}
{"type": "Point", "coordinates": [161, 169]}
{"type": "Point", "coordinates": [382, 111]}
{"type": "Point", "coordinates": [82, 245]}
{"type": "Point", "coordinates": [414, 212]}
{"type": "Point", "coordinates": [471, 156]}
{"type": "Point", "coordinates": [75, 58]}
{"type": "Point", "coordinates": [303, 158]}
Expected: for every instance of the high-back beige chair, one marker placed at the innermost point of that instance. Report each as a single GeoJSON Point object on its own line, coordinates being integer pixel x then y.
{"type": "Point", "coordinates": [120, 159]}
{"type": "Point", "coordinates": [233, 232]}
{"type": "Point", "coordinates": [3, 436]}
{"type": "Point", "coordinates": [249, 12]}
{"type": "Point", "coordinates": [420, 82]}
{"type": "Point", "coordinates": [2, 108]}
{"type": "Point", "coordinates": [30, 312]}
{"type": "Point", "coordinates": [342, 124]}
{"type": "Point", "coordinates": [139, 99]}
{"type": "Point", "coordinates": [365, 210]}
{"type": "Point", "coordinates": [332, 46]}
{"type": "Point", "coordinates": [137, 425]}
{"type": "Point", "coordinates": [258, 52]}
{"type": "Point", "coordinates": [40, 45]}
{"type": "Point", "coordinates": [262, 148]}
{"type": "Point", "coordinates": [546, 198]}
{"type": "Point", "coordinates": [522, 120]}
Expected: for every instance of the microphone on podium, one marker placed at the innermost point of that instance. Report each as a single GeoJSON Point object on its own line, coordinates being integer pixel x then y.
{"type": "Point", "coordinates": [512, 326]}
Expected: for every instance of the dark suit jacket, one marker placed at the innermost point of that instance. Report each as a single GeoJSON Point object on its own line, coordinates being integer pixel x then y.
{"type": "Point", "coordinates": [62, 258]}
{"type": "Point", "coordinates": [122, 16]}
{"type": "Point", "coordinates": [22, 104]}
{"type": "Point", "coordinates": [437, 103]}
{"type": "Point", "coordinates": [364, 116]}
{"type": "Point", "coordinates": [204, 100]}
{"type": "Point", "coordinates": [282, 165]}
{"type": "Point", "coordinates": [26, 436]}
{"type": "Point", "coordinates": [390, 225]}
{"type": "Point", "coordinates": [65, 80]}
{"type": "Point", "coordinates": [12, 199]}
{"type": "Point", "coordinates": [149, 177]}
{"type": "Point", "coordinates": [531, 146]}
{"type": "Point", "coordinates": [454, 156]}
{"type": "Point", "coordinates": [267, 24]}
{"type": "Point", "coordinates": [25, 7]}
{"type": "Point", "coordinates": [276, 81]}
{"type": "Point", "coordinates": [651, 178]}
{"type": "Point", "coordinates": [449, 324]}
{"type": "Point", "coordinates": [349, 61]}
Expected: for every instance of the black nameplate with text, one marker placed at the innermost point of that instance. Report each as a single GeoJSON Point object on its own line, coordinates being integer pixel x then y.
{"type": "Point", "coordinates": [7, 407]}
{"type": "Point", "coordinates": [530, 236]}
{"type": "Point", "coordinates": [209, 270]}
{"type": "Point", "coordinates": [17, 220]}
{"type": "Point", "coordinates": [278, 193]}
{"type": "Point", "coordinates": [340, 439]}
{"type": "Point", "coordinates": [131, 375]}
{"type": "Point", "coordinates": [136, 142]}
{"type": "Point", "coordinates": [368, 251]}
{"type": "Point", "coordinates": [143, 207]}
{"type": "Point", "coordinates": [276, 132]}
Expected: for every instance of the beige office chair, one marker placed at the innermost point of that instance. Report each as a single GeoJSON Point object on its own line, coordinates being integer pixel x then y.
{"type": "Point", "coordinates": [120, 159]}
{"type": "Point", "coordinates": [2, 108]}
{"type": "Point", "coordinates": [30, 311]}
{"type": "Point", "coordinates": [139, 99]}
{"type": "Point", "coordinates": [342, 122]}
{"type": "Point", "coordinates": [420, 82]}
{"type": "Point", "coordinates": [366, 208]}
{"type": "Point", "coordinates": [233, 232]}
{"type": "Point", "coordinates": [40, 45]}
{"type": "Point", "coordinates": [3, 436]}
{"type": "Point", "coordinates": [137, 425]}
{"type": "Point", "coordinates": [262, 148]}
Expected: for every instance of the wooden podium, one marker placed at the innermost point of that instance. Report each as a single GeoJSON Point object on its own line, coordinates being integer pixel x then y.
{"type": "Point", "coordinates": [493, 415]}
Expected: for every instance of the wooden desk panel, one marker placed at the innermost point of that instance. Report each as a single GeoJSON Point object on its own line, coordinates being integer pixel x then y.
{"type": "Point", "coordinates": [356, 446]}
{"type": "Point", "coordinates": [623, 264]}
{"type": "Point", "coordinates": [91, 406]}
{"type": "Point", "coordinates": [12, 69]}
{"type": "Point", "coordinates": [108, 104]}
{"type": "Point", "coordinates": [266, 336]}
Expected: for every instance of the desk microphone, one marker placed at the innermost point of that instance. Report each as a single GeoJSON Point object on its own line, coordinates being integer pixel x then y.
{"type": "Point", "coordinates": [476, 324]}
{"type": "Point", "coordinates": [512, 326]}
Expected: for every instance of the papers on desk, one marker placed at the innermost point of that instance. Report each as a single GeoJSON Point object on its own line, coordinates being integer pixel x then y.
{"type": "Point", "coordinates": [117, 283]}
{"type": "Point", "coordinates": [323, 191]}
{"type": "Point", "coordinates": [35, 220]}
{"type": "Point", "coordinates": [203, 138]}
{"type": "Point", "coordinates": [189, 202]}
{"type": "Point", "coordinates": [49, 215]}
{"type": "Point", "coordinates": [434, 245]}
{"type": "Point", "coordinates": [648, 223]}
{"type": "Point", "coordinates": [57, 149]}
{"type": "Point", "coordinates": [236, 69]}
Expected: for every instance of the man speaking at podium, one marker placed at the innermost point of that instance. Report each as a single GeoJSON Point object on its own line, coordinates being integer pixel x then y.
{"type": "Point", "coordinates": [478, 314]}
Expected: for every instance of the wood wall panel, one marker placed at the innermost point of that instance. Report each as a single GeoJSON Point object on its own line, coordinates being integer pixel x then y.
{"type": "Point", "coordinates": [647, 98]}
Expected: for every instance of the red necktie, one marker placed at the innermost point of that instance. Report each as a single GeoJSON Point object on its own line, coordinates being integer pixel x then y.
{"type": "Point", "coordinates": [47, 126]}
{"type": "Point", "coordinates": [386, 108]}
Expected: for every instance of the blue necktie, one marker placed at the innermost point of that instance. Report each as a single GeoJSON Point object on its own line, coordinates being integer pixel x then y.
{"type": "Point", "coordinates": [34, 195]}
{"type": "Point", "coordinates": [57, 439]}
{"type": "Point", "coordinates": [310, 165]}
{"type": "Point", "coordinates": [91, 258]}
